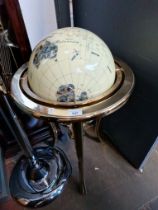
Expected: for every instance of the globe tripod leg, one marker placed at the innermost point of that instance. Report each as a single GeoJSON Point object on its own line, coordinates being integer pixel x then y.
{"type": "Point", "coordinates": [78, 135]}
{"type": "Point", "coordinates": [92, 129]}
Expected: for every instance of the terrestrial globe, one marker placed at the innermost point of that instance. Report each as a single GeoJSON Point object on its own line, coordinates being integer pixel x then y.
{"type": "Point", "coordinates": [71, 65]}
{"type": "Point", "coordinates": [71, 77]}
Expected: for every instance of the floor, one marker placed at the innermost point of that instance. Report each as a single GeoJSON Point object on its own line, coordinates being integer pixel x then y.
{"type": "Point", "coordinates": [112, 183]}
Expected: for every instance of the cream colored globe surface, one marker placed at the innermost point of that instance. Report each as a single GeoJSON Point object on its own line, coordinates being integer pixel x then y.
{"type": "Point", "coordinates": [71, 64]}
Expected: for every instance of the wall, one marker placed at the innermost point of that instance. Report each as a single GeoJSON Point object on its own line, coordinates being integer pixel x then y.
{"type": "Point", "coordinates": [39, 17]}
{"type": "Point", "coordinates": [130, 30]}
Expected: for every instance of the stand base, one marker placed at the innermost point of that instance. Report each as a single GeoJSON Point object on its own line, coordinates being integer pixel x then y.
{"type": "Point", "coordinates": [27, 191]}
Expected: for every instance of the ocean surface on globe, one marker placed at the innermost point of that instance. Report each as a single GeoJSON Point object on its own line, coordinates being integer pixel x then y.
{"type": "Point", "coordinates": [71, 65]}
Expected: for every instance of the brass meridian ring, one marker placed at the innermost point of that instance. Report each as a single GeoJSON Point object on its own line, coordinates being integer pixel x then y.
{"type": "Point", "coordinates": [105, 104]}
{"type": "Point", "coordinates": [27, 90]}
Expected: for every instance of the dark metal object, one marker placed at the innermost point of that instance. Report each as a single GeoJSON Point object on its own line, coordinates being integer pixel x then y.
{"type": "Point", "coordinates": [18, 133]}
{"type": "Point", "coordinates": [78, 136]}
{"type": "Point", "coordinates": [40, 176]}
{"type": "Point", "coordinates": [28, 190]}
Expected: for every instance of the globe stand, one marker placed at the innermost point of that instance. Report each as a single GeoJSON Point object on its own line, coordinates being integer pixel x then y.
{"type": "Point", "coordinates": [111, 101]}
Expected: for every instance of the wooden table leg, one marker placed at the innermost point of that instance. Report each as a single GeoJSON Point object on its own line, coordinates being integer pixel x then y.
{"type": "Point", "coordinates": [78, 135]}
